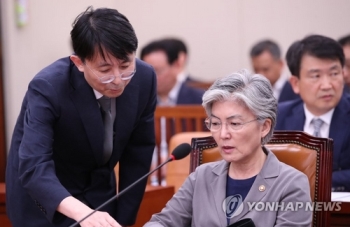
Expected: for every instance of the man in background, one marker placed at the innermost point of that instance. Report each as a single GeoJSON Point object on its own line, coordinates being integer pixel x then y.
{"type": "Point", "coordinates": [316, 63]}
{"type": "Point", "coordinates": [168, 58]}
{"type": "Point", "coordinates": [266, 60]}
{"type": "Point", "coordinates": [345, 43]}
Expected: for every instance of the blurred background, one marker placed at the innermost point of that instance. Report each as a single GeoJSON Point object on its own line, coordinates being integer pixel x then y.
{"type": "Point", "coordinates": [219, 34]}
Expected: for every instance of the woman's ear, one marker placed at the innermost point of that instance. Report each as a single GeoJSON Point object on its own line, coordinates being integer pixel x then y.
{"type": "Point", "coordinates": [266, 127]}
{"type": "Point", "coordinates": [77, 62]}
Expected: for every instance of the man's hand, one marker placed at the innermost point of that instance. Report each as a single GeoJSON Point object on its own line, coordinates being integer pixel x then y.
{"type": "Point", "coordinates": [99, 219]}
{"type": "Point", "coordinates": [73, 208]}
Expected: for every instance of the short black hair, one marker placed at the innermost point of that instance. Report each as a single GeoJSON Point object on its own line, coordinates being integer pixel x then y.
{"type": "Point", "coordinates": [345, 40]}
{"type": "Point", "coordinates": [172, 47]}
{"type": "Point", "coordinates": [314, 45]}
{"type": "Point", "coordinates": [103, 30]}
{"type": "Point", "coordinates": [266, 45]}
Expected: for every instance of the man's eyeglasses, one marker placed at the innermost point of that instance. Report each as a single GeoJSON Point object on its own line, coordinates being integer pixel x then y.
{"type": "Point", "coordinates": [105, 79]}
{"type": "Point", "coordinates": [214, 124]}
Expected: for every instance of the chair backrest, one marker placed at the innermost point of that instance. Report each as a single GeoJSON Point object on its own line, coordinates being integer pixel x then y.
{"type": "Point", "coordinates": [311, 155]}
{"type": "Point", "coordinates": [179, 118]}
{"type": "Point", "coordinates": [170, 120]}
{"type": "Point", "coordinates": [177, 171]}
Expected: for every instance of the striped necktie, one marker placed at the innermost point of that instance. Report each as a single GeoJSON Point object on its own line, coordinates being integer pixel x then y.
{"type": "Point", "coordinates": [317, 122]}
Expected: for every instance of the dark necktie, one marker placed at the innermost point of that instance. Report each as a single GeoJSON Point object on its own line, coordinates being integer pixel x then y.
{"type": "Point", "coordinates": [317, 122]}
{"type": "Point", "coordinates": [105, 104]}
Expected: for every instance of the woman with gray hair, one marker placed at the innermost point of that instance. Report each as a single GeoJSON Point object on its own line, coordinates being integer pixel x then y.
{"type": "Point", "coordinates": [249, 183]}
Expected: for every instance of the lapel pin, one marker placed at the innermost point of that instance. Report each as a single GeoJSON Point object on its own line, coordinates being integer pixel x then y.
{"type": "Point", "coordinates": [262, 188]}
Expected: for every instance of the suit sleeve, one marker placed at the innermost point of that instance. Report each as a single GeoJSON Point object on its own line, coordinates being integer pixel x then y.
{"type": "Point", "coordinates": [136, 159]}
{"type": "Point", "coordinates": [36, 165]}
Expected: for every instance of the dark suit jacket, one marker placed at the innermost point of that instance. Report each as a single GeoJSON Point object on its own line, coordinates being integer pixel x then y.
{"type": "Point", "coordinates": [287, 93]}
{"type": "Point", "coordinates": [189, 95]}
{"type": "Point", "coordinates": [291, 116]}
{"type": "Point", "coordinates": [56, 148]}
{"type": "Point", "coordinates": [190, 79]}
{"type": "Point", "coordinates": [347, 89]}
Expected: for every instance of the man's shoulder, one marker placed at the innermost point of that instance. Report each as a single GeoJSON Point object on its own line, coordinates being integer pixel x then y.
{"type": "Point", "coordinates": [287, 93]}
{"type": "Point", "coordinates": [144, 73]}
{"type": "Point", "coordinates": [144, 77]}
{"type": "Point", "coordinates": [291, 104]}
{"type": "Point", "coordinates": [60, 66]}
{"type": "Point", "coordinates": [344, 103]}
{"type": "Point", "coordinates": [143, 66]}
{"type": "Point", "coordinates": [345, 97]}
{"type": "Point", "coordinates": [189, 95]}
{"type": "Point", "coordinates": [187, 88]}
{"type": "Point", "coordinates": [287, 86]}
{"type": "Point", "coordinates": [286, 110]}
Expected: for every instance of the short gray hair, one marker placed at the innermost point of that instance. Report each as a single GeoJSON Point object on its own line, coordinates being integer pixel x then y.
{"type": "Point", "coordinates": [252, 90]}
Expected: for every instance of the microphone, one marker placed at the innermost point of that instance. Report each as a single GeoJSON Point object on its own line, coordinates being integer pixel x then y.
{"type": "Point", "coordinates": [178, 153]}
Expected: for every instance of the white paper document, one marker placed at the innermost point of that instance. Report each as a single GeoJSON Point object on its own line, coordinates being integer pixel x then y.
{"type": "Point", "coordinates": [340, 196]}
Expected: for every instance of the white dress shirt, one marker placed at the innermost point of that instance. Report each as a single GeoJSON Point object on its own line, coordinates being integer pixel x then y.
{"type": "Point", "coordinates": [326, 118]}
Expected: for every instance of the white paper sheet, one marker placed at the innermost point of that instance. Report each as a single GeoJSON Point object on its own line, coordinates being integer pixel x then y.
{"type": "Point", "coordinates": [340, 196]}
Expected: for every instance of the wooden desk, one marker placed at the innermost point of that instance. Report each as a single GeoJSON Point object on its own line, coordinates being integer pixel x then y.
{"type": "Point", "coordinates": [341, 217]}
{"type": "Point", "coordinates": [153, 201]}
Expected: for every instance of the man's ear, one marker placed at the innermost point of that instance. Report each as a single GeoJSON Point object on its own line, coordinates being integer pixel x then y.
{"type": "Point", "coordinates": [182, 59]}
{"type": "Point", "coordinates": [180, 62]}
{"type": "Point", "coordinates": [294, 81]}
{"type": "Point", "coordinates": [77, 62]}
{"type": "Point", "coordinates": [281, 63]}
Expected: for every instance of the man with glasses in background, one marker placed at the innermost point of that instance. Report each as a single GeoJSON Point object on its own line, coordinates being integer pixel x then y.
{"type": "Point", "coordinates": [316, 64]}
{"type": "Point", "coordinates": [81, 116]}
